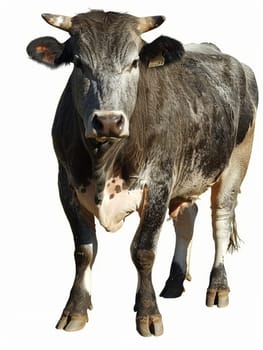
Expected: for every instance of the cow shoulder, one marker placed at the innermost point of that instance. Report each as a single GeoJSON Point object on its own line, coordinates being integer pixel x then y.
{"type": "Point", "coordinates": [68, 140]}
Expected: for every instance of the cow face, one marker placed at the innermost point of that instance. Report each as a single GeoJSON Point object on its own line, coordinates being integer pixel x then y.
{"type": "Point", "coordinates": [105, 49]}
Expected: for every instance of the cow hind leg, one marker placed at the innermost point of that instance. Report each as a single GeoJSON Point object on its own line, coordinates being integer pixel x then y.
{"type": "Point", "coordinates": [74, 316]}
{"type": "Point", "coordinates": [223, 202]}
{"type": "Point", "coordinates": [180, 267]}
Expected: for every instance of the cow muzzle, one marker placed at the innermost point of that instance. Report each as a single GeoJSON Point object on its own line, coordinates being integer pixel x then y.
{"type": "Point", "coordinates": [108, 125]}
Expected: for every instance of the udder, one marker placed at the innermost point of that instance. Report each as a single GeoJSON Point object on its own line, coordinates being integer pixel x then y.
{"type": "Point", "coordinates": [117, 202]}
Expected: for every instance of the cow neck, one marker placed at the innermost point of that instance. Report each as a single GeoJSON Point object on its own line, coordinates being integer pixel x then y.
{"type": "Point", "coordinates": [110, 161]}
{"type": "Point", "coordinates": [104, 155]}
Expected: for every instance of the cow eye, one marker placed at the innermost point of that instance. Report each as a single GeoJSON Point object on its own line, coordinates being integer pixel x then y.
{"type": "Point", "coordinates": [135, 63]}
{"type": "Point", "coordinates": [77, 61]}
{"type": "Point", "coordinates": [131, 66]}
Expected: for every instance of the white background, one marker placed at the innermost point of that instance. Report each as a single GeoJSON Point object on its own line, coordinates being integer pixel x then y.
{"type": "Point", "coordinates": [37, 267]}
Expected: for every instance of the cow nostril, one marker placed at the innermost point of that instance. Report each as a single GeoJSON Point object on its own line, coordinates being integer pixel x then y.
{"type": "Point", "coordinates": [97, 123]}
{"type": "Point", "coordinates": [120, 122]}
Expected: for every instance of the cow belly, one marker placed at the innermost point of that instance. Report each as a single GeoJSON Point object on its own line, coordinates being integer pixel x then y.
{"type": "Point", "coordinates": [113, 208]}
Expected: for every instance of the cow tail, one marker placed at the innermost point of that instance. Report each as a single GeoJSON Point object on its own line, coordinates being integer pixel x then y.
{"type": "Point", "coordinates": [234, 241]}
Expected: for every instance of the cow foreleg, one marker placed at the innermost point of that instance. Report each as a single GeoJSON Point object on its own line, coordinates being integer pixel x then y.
{"type": "Point", "coordinates": [148, 318]}
{"type": "Point", "coordinates": [180, 268]}
{"type": "Point", "coordinates": [74, 316]}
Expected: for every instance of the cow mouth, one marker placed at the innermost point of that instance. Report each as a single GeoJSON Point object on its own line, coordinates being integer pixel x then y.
{"type": "Point", "coordinates": [108, 139]}
{"type": "Point", "coordinates": [103, 138]}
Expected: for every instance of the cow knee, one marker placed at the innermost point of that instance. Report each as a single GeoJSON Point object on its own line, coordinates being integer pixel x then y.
{"type": "Point", "coordinates": [143, 259]}
{"type": "Point", "coordinates": [84, 255]}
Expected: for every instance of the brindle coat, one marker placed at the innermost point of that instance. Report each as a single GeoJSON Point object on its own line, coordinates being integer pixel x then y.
{"type": "Point", "coordinates": [146, 127]}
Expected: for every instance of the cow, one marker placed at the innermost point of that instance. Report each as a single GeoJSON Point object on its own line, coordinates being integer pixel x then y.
{"type": "Point", "coordinates": [146, 127]}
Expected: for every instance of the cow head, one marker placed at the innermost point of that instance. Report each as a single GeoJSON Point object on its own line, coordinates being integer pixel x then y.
{"type": "Point", "coordinates": [105, 49]}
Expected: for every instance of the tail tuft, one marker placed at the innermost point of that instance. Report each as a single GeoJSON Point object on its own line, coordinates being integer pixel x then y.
{"type": "Point", "coordinates": [234, 241]}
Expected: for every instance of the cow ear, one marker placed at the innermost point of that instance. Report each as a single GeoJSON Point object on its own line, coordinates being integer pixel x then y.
{"type": "Point", "coordinates": [46, 50]}
{"type": "Point", "coordinates": [161, 51]}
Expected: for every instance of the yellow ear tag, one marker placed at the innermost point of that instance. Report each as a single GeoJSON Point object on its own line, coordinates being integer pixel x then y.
{"type": "Point", "coordinates": [157, 61]}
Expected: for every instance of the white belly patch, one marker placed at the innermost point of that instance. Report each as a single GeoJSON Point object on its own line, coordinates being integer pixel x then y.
{"type": "Point", "coordinates": [117, 202]}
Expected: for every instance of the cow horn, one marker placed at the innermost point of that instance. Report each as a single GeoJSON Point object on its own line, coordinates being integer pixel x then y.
{"type": "Point", "coordinates": [148, 23]}
{"type": "Point", "coordinates": [58, 21]}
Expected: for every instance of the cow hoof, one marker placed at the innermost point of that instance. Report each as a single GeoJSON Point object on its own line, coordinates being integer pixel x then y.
{"type": "Point", "coordinates": [72, 323]}
{"type": "Point", "coordinates": [217, 297]}
{"type": "Point", "coordinates": [149, 325]}
{"type": "Point", "coordinates": [171, 291]}
{"type": "Point", "coordinates": [188, 277]}
{"type": "Point", "coordinates": [174, 285]}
